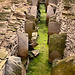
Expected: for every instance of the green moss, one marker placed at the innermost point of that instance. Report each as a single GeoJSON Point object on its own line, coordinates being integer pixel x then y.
{"type": "Point", "coordinates": [57, 42]}
{"type": "Point", "coordinates": [64, 67]}
{"type": "Point", "coordinates": [40, 65]}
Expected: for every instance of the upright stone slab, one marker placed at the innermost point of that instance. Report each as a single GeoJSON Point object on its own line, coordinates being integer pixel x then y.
{"type": "Point", "coordinates": [29, 28]}
{"type": "Point", "coordinates": [56, 46]}
{"type": "Point", "coordinates": [22, 44]}
{"type": "Point", "coordinates": [31, 18]}
{"type": "Point", "coordinates": [50, 12]}
{"type": "Point", "coordinates": [33, 11]}
{"type": "Point", "coordinates": [53, 27]}
{"type": "Point", "coordinates": [46, 4]}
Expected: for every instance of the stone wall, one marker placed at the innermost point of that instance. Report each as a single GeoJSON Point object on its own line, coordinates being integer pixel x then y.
{"type": "Point", "coordinates": [13, 37]}
{"type": "Point", "coordinates": [66, 15]}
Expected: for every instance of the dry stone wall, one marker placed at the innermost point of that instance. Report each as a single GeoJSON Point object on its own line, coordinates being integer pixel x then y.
{"type": "Point", "coordinates": [66, 15]}
{"type": "Point", "coordinates": [14, 39]}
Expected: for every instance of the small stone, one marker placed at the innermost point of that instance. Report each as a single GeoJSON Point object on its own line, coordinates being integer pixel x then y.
{"type": "Point", "coordinates": [35, 52]}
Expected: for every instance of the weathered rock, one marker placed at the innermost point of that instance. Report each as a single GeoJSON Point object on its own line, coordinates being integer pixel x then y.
{"type": "Point", "coordinates": [29, 28]}
{"type": "Point", "coordinates": [31, 18]}
{"type": "Point", "coordinates": [34, 44]}
{"type": "Point", "coordinates": [2, 70]}
{"type": "Point", "coordinates": [64, 67]}
{"type": "Point", "coordinates": [35, 52]}
{"type": "Point", "coordinates": [19, 14]}
{"type": "Point", "coordinates": [50, 12]}
{"type": "Point", "coordinates": [35, 3]}
{"type": "Point", "coordinates": [53, 1]}
{"type": "Point", "coordinates": [18, 1]}
{"type": "Point", "coordinates": [33, 11]}
{"type": "Point", "coordinates": [56, 46]}
{"type": "Point", "coordinates": [46, 4]}
{"type": "Point", "coordinates": [23, 44]}
{"type": "Point", "coordinates": [53, 27]}
{"type": "Point", "coordinates": [13, 66]}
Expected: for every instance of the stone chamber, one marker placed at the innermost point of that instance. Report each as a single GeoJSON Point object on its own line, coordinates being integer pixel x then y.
{"type": "Point", "coordinates": [37, 37]}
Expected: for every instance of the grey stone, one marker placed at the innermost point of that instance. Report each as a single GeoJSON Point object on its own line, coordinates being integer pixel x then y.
{"type": "Point", "coordinates": [13, 66]}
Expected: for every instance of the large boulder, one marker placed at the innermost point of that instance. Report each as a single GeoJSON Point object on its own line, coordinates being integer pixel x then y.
{"type": "Point", "coordinates": [64, 67]}
{"type": "Point", "coordinates": [56, 46]}
{"type": "Point", "coordinates": [50, 12]}
{"type": "Point", "coordinates": [22, 44]}
{"type": "Point", "coordinates": [13, 66]}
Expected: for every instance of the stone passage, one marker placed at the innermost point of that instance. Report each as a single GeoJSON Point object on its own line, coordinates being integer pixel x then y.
{"type": "Point", "coordinates": [40, 65]}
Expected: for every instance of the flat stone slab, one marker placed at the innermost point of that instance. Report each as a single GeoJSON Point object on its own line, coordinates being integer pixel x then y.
{"type": "Point", "coordinates": [34, 36]}
{"type": "Point", "coordinates": [35, 52]}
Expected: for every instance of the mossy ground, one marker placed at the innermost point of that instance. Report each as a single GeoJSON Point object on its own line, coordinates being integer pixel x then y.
{"type": "Point", "coordinates": [40, 65]}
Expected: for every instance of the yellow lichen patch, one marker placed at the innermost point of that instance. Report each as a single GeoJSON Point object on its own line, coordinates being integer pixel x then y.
{"type": "Point", "coordinates": [2, 62]}
{"type": "Point", "coordinates": [3, 55]}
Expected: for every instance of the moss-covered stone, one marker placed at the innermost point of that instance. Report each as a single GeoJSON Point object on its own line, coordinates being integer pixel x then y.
{"type": "Point", "coordinates": [64, 67]}
{"type": "Point", "coordinates": [3, 55]}
{"type": "Point", "coordinates": [56, 46]}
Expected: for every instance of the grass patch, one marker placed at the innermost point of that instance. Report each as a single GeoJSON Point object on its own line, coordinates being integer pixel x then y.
{"type": "Point", "coordinates": [40, 65]}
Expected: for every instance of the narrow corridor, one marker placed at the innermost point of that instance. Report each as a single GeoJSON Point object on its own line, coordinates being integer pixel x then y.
{"type": "Point", "coordinates": [40, 65]}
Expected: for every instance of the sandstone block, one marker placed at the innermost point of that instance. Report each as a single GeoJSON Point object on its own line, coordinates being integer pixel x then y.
{"type": "Point", "coordinates": [33, 11]}
{"type": "Point", "coordinates": [50, 12]}
{"type": "Point", "coordinates": [29, 28]}
{"type": "Point", "coordinates": [22, 44]}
